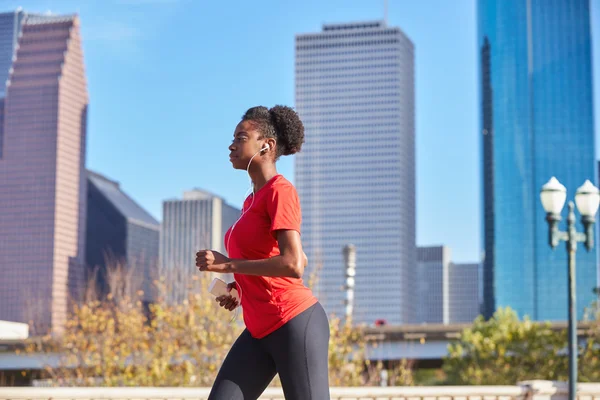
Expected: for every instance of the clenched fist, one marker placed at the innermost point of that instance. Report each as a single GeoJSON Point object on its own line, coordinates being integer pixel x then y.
{"type": "Point", "coordinates": [210, 260]}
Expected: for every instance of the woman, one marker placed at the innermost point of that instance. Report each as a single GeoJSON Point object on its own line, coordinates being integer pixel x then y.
{"type": "Point", "coordinates": [287, 331]}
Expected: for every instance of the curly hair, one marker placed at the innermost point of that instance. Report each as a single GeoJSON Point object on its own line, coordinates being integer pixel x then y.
{"type": "Point", "coordinates": [281, 123]}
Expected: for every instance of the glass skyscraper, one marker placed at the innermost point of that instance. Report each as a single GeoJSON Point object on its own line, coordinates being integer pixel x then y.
{"type": "Point", "coordinates": [536, 122]}
{"type": "Point", "coordinates": [356, 172]}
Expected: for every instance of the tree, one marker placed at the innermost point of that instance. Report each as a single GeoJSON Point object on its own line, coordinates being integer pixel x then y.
{"type": "Point", "coordinates": [589, 366]}
{"type": "Point", "coordinates": [115, 341]}
{"type": "Point", "coordinates": [505, 350]}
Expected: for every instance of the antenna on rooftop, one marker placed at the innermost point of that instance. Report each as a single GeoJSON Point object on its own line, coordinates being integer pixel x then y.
{"type": "Point", "coordinates": [385, 12]}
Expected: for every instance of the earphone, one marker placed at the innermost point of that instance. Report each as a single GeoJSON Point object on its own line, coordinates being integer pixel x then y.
{"type": "Point", "coordinates": [266, 147]}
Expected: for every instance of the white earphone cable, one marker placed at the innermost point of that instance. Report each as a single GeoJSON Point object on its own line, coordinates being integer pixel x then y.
{"type": "Point", "coordinates": [239, 288]}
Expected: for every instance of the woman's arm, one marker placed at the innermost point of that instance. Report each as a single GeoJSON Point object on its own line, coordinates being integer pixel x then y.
{"type": "Point", "coordinates": [289, 263]}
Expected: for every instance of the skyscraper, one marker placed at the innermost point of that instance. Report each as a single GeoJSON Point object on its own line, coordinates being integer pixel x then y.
{"type": "Point", "coordinates": [463, 294]}
{"type": "Point", "coordinates": [433, 285]}
{"type": "Point", "coordinates": [355, 174]}
{"type": "Point", "coordinates": [42, 169]}
{"type": "Point", "coordinates": [121, 233]}
{"type": "Point", "coordinates": [198, 221]}
{"type": "Point", "coordinates": [536, 122]}
{"type": "Point", "coordinates": [10, 27]}
{"type": "Point", "coordinates": [446, 292]}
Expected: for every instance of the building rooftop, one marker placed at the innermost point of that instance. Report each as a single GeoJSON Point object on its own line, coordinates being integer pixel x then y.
{"type": "Point", "coordinates": [199, 194]}
{"type": "Point", "coordinates": [125, 204]}
{"type": "Point", "coordinates": [196, 194]}
{"type": "Point", "coordinates": [36, 19]}
{"type": "Point", "coordinates": [354, 25]}
{"type": "Point", "coordinates": [337, 29]}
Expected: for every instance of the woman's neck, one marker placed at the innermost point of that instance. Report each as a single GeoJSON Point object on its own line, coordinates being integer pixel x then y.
{"type": "Point", "coordinates": [261, 174]}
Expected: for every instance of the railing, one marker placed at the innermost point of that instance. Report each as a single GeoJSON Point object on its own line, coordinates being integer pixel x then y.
{"type": "Point", "coordinates": [534, 390]}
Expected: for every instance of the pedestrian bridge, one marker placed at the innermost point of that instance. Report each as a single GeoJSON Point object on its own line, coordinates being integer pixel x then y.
{"type": "Point", "coordinates": [427, 343]}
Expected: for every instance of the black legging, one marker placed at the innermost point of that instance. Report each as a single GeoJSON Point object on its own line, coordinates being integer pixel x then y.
{"type": "Point", "coordinates": [298, 352]}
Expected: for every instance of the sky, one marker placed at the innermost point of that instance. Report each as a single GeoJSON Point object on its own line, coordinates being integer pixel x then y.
{"type": "Point", "coordinates": [168, 81]}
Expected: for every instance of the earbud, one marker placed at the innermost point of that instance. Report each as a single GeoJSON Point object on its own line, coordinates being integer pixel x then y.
{"type": "Point", "coordinates": [265, 148]}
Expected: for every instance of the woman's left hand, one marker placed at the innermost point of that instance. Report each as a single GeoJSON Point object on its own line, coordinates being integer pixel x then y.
{"type": "Point", "coordinates": [210, 260]}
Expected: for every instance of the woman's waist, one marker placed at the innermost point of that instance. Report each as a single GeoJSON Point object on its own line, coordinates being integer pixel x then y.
{"type": "Point", "coordinates": [271, 290]}
{"type": "Point", "coordinates": [277, 306]}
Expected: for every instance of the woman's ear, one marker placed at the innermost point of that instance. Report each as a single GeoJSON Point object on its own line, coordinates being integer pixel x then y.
{"type": "Point", "coordinates": [272, 143]}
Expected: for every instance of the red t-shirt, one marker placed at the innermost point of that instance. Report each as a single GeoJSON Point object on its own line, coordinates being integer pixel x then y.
{"type": "Point", "coordinates": [268, 302]}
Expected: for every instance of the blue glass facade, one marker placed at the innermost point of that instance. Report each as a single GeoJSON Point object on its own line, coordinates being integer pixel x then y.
{"type": "Point", "coordinates": [537, 122]}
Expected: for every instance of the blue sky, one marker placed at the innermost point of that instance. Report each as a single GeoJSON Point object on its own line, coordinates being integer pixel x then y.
{"type": "Point", "coordinates": [169, 79]}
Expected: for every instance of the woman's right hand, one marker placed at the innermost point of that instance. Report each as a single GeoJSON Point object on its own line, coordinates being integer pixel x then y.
{"type": "Point", "coordinates": [228, 302]}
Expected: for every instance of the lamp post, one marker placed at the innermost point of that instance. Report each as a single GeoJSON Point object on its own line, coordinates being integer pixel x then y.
{"type": "Point", "coordinates": [350, 272]}
{"type": "Point", "coordinates": [587, 198]}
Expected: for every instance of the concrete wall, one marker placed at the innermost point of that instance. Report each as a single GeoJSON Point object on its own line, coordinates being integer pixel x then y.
{"type": "Point", "coordinates": [532, 390]}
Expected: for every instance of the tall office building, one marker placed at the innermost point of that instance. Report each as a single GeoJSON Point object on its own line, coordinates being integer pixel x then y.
{"type": "Point", "coordinates": [42, 172]}
{"type": "Point", "coordinates": [536, 122]}
{"type": "Point", "coordinates": [121, 237]}
{"type": "Point", "coordinates": [10, 27]}
{"type": "Point", "coordinates": [463, 294]}
{"type": "Point", "coordinates": [355, 174]}
{"type": "Point", "coordinates": [597, 233]}
{"type": "Point", "coordinates": [198, 221]}
{"type": "Point", "coordinates": [433, 285]}
{"type": "Point", "coordinates": [447, 292]}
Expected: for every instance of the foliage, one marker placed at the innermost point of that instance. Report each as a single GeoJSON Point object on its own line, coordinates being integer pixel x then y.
{"type": "Point", "coordinates": [116, 343]}
{"type": "Point", "coordinates": [175, 342]}
{"type": "Point", "coordinates": [505, 350]}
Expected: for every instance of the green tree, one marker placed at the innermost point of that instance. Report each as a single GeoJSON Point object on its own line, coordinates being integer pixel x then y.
{"type": "Point", "coordinates": [589, 366]}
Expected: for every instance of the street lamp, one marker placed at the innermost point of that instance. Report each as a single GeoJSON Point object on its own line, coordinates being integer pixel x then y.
{"type": "Point", "coordinates": [587, 198]}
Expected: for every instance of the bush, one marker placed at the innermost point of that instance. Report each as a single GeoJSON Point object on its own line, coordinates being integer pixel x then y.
{"type": "Point", "coordinates": [505, 350]}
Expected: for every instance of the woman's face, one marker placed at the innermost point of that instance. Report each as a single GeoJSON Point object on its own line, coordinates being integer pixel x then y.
{"type": "Point", "coordinates": [245, 144]}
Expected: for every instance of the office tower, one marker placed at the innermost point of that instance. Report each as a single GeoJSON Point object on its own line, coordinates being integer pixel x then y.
{"type": "Point", "coordinates": [597, 232]}
{"type": "Point", "coordinates": [197, 221]}
{"type": "Point", "coordinates": [10, 27]}
{"type": "Point", "coordinates": [447, 292]}
{"type": "Point", "coordinates": [122, 241]}
{"type": "Point", "coordinates": [536, 122]}
{"type": "Point", "coordinates": [355, 174]}
{"type": "Point", "coordinates": [433, 285]}
{"type": "Point", "coordinates": [42, 169]}
{"type": "Point", "coordinates": [463, 293]}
